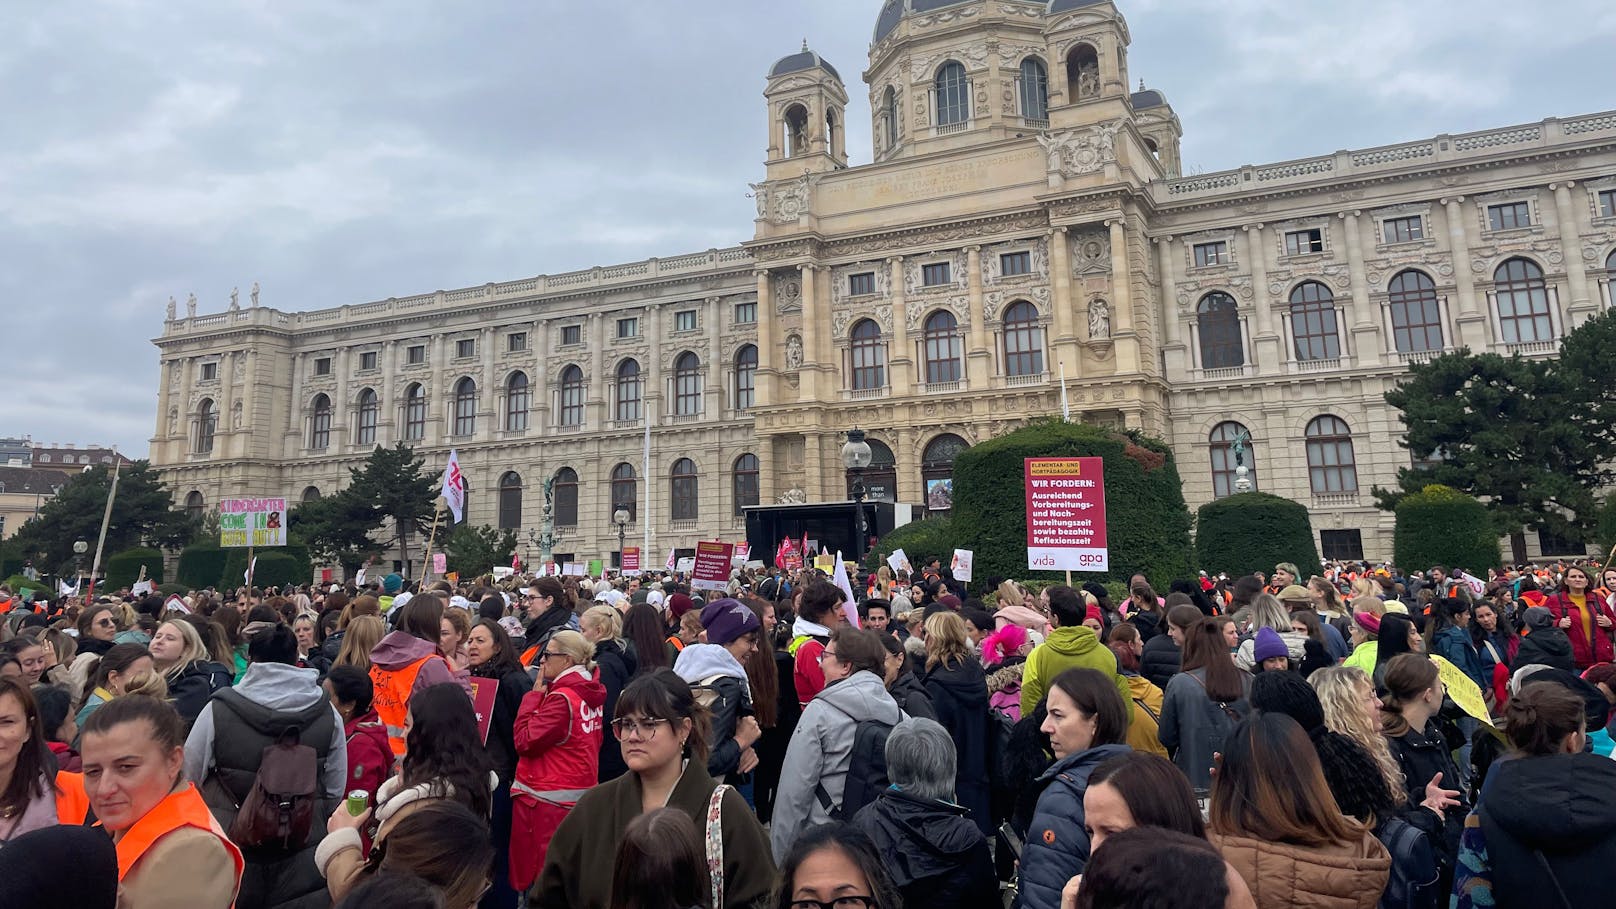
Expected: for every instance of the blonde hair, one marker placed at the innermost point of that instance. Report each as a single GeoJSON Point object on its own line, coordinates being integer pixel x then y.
{"type": "Point", "coordinates": [1009, 594]}
{"type": "Point", "coordinates": [575, 646]}
{"type": "Point", "coordinates": [946, 641]}
{"type": "Point", "coordinates": [606, 619]}
{"type": "Point", "coordinates": [363, 633]}
{"type": "Point", "coordinates": [1375, 606]}
{"type": "Point", "coordinates": [1341, 692]}
{"type": "Point", "coordinates": [1364, 587]}
{"type": "Point", "coordinates": [193, 650]}
{"type": "Point", "coordinates": [152, 684]}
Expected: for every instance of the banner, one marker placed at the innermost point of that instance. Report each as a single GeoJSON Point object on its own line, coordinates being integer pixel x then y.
{"type": "Point", "coordinates": [743, 552]}
{"type": "Point", "coordinates": [849, 602]}
{"type": "Point", "coordinates": [483, 692]}
{"type": "Point", "coordinates": [961, 566]}
{"type": "Point", "coordinates": [1066, 514]}
{"type": "Point", "coordinates": [175, 603]}
{"type": "Point", "coordinates": [252, 522]}
{"type": "Point", "coordinates": [597, 568]}
{"type": "Point", "coordinates": [686, 565]}
{"type": "Point", "coordinates": [631, 560]}
{"type": "Point", "coordinates": [440, 562]}
{"type": "Point", "coordinates": [711, 571]}
{"type": "Point", "coordinates": [825, 563]}
{"type": "Point", "coordinates": [454, 486]}
{"type": "Point", "coordinates": [1463, 690]}
{"type": "Point", "coordinates": [573, 569]}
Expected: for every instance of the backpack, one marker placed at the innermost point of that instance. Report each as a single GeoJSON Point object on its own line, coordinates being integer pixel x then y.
{"type": "Point", "coordinates": [280, 807]}
{"type": "Point", "coordinates": [706, 691]}
{"type": "Point", "coordinates": [1415, 869]}
{"type": "Point", "coordinates": [866, 771]}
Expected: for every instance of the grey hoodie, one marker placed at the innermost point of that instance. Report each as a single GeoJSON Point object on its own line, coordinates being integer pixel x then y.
{"type": "Point", "coordinates": [278, 687]}
{"type": "Point", "coordinates": [821, 749]}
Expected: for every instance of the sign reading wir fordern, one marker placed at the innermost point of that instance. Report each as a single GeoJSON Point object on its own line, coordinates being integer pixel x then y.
{"type": "Point", "coordinates": [1066, 514]}
{"type": "Point", "coordinates": [252, 522]}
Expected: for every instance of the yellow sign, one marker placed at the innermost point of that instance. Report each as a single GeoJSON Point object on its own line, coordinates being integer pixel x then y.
{"type": "Point", "coordinates": [1463, 690]}
{"type": "Point", "coordinates": [825, 563]}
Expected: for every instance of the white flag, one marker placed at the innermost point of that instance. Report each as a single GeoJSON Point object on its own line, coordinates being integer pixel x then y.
{"type": "Point", "coordinates": [66, 590]}
{"type": "Point", "coordinates": [454, 486]}
{"type": "Point", "coordinates": [246, 576]}
{"type": "Point", "coordinates": [849, 602]}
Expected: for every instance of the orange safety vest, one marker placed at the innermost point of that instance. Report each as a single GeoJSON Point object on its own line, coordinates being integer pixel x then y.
{"type": "Point", "coordinates": [531, 654]}
{"type": "Point", "coordinates": [184, 808]}
{"type": "Point", "coordinates": [392, 698]}
{"type": "Point", "coordinates": [72, 802]}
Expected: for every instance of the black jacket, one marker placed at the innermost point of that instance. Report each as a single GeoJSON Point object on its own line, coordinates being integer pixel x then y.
{"type": "Point", "coordinates": [732, 701]}
{"type": "Point", "coordinates": [1559, 807]}
{"type": "Point", "coordinates": [937, 858]}
{"type": "Point", "coordinates": [514, 684]}
{"type": "Point", "coordinates": [912, 697]}
{"type": "Point", "coordinates": [1421, 755]}
{"type": "Point", "coordinates": [1548, 646]}
{"type": "Point", "coordinates": [190, 689]}
{"type": "Point", "coordinates": [959, 694]}
{"type": "Point", "coordinates": [1161, 660]}
{"type": "Point", "coordinates": [1150, 624]}
{"type": "Point", "coordinates": [617, 666]}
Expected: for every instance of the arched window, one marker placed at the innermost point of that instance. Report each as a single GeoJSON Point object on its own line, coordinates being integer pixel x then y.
{"type": "Point", "coordinates": [565, 499]}
{"type": "Point", "coordinates": [881, 477]}
{"type": "Point", "coordinates": [869, 356]}
{"type": "Point", "coordinates": [1223, 460]}
{"type": "Point", "coordinates": [1416, 315]}
{"type": "Point", "coordinates": [310, 494]}
{"type": "Point", "coordinates": [510, 501]}
{"type": "Point", "coordinates": [320, 423]}
{"type": "Point", "coordinates": [1313, 322]}
{"type": "Point", "coordinates": [745, 482]}
{"type": "Point", "coordinates": [687, 384]}
{"type": "Point", "coordinates": [414, 413]}
{"type": "Point", "coordinates": [195, 505]}
{"type": "Point", "coordinates": [629, 391]}
{"type": "Point", "coordinates": [1331, 467]}
{"type": "Point", "coordinates": [1523, 302]}
{"type": "Point", "coordinates": [1082, 73]}
{"type": "Point", "coordinates": [370, 409]}
{"type": "Point", "coordinates": [682, 491]}
{"type": "Point", "coordinates": [889, 104]}
{"type": "Point", "coordinates": [207, 425]}
{"type": "Point", "coordinates": [518, 400]}
{"type": "Point", "coordinates": [572, 396]}
{"type": "Point", "coordinates": [796, 130]}
{"type": "Point", "coordinates": [1217, 319]}
{"type": "Point", "coordinates": [937, 470]}
{"type": "Point", "coordinates": [625, 490]}
{"type": "Point", "coordinates": [746, 363]}
{"type": "Point", "coordinates": [953, 91]}
{"type": "Point", "coordinates": [1034, 90]}
{"type": "Point", "coordinates": [1023, 340]}
{"type": "Point", "coordinates": [465, 407]}
{"type": "Point", "coordinates": [1610, 264]}
{"type": "Point", "coordinates": [942, 347]}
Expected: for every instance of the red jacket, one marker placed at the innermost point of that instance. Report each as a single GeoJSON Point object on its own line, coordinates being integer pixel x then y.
{"type": "Point", "coordinates": [558, 735]}
{"type": "Point", "coordinates": [1585, 652]}
{"type": "Point", "coordinates": [370, 757]}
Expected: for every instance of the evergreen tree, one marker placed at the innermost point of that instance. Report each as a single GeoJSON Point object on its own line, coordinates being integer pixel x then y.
{"type": "Point", "coordinates": [337, 528]}
{"type": "Point", "coordinates": [142, 513]}
{"type": "Point", "coordinates": [393, 482]}
{"type": "Point", "coordinates": [474, 551]}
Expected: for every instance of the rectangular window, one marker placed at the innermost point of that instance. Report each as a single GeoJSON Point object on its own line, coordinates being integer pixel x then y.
{"type": "Point", "coordinates": [415, 355]}
{"type": "Point", "coordinates": [465, 347]}
{"type": "Point", "coordinates": [516, 342]}
{"type": "Point", "coordinates": [1509, 216]}
{"type": "Point", "coordinates": [1304, 242]}
{"type": "Point", "coordinates": [684, 320]}
{"type": "Point", "coordinates": [1607, 203]}
{"type": "Point", "coordinates": [1552, 544]}
{"type": "Point", "coordinates": [572, 334]}
{"type": "Point", "coordinates": [861, 284]}
{"type": "Point", "coordinates": [936, 274]}
{"type": "Point", "coordinates": [628, 328]}
{"type": "Point", "coordinates": [1342, 544]}
{"type": "Point", "coordinates": [210, 371]}
{"type": "Point", "coordinates": [1016, 263]}
{"type": "Point", "coordinates": [746, 313]}
{"type": "Point", "coordinates": [367, 360]}
{"type": "Point", "coordinates": [322, 366]}
{"type": "Point", "coordinates": [1405, 230]}
{"type": "Point", "coordinates": [1209, 254]}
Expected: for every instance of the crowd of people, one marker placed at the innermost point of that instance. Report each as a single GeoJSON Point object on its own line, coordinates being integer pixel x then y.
{"type": "Point", "coordinates": [1365, 737]}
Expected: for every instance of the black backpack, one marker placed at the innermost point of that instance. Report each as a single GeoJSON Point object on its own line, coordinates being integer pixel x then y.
{"type": "Point", "coordinates": [866, 771]}
{"type": "Point", "coordinates": [1415, 867]}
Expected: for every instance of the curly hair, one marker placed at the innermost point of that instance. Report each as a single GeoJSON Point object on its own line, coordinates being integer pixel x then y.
{"type": "Point", "coordinates": [1343, 692]}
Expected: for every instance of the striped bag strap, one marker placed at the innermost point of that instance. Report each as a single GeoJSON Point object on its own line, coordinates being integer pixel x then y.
{"type": "Point", "coordinates": [715, 843]}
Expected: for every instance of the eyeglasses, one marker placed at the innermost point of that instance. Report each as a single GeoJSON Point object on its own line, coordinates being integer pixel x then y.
{"type": "Point", "coordinates": [105, 623]}
{"type": "Point", "coordinates": [547, 654]}
{"type": "Point", "coordinates": [827, 654]}
{"type": "Point", "coordinates": [841, 902]}
{"type": "Point", "coordinates": [636, 730]}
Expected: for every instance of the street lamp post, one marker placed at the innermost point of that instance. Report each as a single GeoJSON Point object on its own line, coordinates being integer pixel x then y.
{"type": "Point", "coordinates": [856, 457]}
{"type": "Point", "coordinates": [79, 549]}
{"type": "Point", "coordinates": [620, 517]}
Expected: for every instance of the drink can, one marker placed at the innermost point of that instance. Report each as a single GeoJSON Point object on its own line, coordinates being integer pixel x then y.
{"type": "Point", "coordinates": [358, 800]}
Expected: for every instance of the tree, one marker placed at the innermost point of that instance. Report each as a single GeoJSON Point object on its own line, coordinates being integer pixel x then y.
{"type": "Point", "coordinates": [475, 551]}
{"type": "Point", "coordinates": [123, 569]}
{"type": "Point", "coordinates": [392, 481]}
{"type": "Point", "coordinates": [1533, 439]}
{"type": "Point", "coordinates": [1254, 531]}
{"type": "Point", "coordinates": [1443, 526]}
{"type": "Point", "coordinates": [337, 528]}
{"type": "Point", "coordinates": [142, 513]}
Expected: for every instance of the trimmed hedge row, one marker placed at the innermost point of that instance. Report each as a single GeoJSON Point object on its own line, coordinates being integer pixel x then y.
{"type": "Point", "coordinates": [123, 568]}
{"type": "Point", "coordinates": [1440, 525]}
{"type": "Point", "coordinates": [1254, 531]}
{"type": "Point", "coordinates": [207, 565]}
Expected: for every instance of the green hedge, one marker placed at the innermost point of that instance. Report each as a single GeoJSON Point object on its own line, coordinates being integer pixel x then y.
{"type": "Point", "coordinates": [1254, 531]}
{"type": "Point", "coordinates": [1440, 525]}
{"type": "Point", "coordinates": [277, 567]}
{"type": "Point", "coordinates": [123, 568]}
{"type": "Point", "coordinates": [920, 541]}
{"type": "Point", "coordinates": [202, 565]}
{"type": "Point", "coordinates": [19, 583]}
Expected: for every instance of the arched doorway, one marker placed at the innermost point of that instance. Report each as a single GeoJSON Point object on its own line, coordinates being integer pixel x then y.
{"type": "Point", "coordinates": [937, 471]}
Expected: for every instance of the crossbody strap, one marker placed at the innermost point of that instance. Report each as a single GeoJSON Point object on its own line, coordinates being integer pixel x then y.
{"type": "Point", "coordinates": [715, 843]}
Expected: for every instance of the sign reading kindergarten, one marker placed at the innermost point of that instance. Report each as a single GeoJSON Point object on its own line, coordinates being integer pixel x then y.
{"type": "Point", "coordinates": [1066, 514]}
{"type": "Point", "coordinates": [252, 522]}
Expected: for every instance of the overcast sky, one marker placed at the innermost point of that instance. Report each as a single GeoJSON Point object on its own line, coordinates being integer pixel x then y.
{"type": "Point", "coordinates": [339, 154]}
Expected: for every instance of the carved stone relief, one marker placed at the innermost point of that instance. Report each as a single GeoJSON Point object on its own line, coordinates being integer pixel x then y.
{"type": "Point", "coordinates": [793, 361]}
{"type": "Point", "coordinates": [787, 293]}
{"type": "Point", "coordinates": [1075, 152]}
{"type": "Point", "coordinates": [1091, 252]}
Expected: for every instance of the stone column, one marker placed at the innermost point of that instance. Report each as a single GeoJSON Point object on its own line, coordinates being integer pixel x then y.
{"type": "Point", "coordinates": [1471, 328]}
{"type": "Point", "coordinates": [342, 405]}
{"type": "Point", "coordinates": [979, 358]}
{"type": "Point", "coordinates": [813, 331]}
{"type": "Point", "coordinates": [1174, 351]}
{"type": "Point", "coordinates": [223, 437]}
{"type": "Point", "coordinates": [813, 464]}
{"type": "Point", "coordinates": [904, 370]}
{"type": "Point", "coordinates": [651, 374]}
{"type": "Point", "coordinates": [488, 401]}
{"type": "Point", "coordinates": [165, 399]}
{"type": "Point", "coordinates": [715, 404]}
{"type": "Point", "coordinates": [1124, 339]}
{"type": "Point", "coordinates": [1268, 347]}
{"type": "Point", "coordinates": [438, 404]}
{"type": "Point", "coordinates": [595, 382]}
{"type": "Point", "coordinates": [1571, 241]}
{"type": "Point", "coordinates": [1060, 274]}
{"type": "Point", "coordinates": [183, 424]}
{"type": "Point", "coordinates": [294, 410]}
{"type": "Point", "coordinates": [769, 353]}
{"type": "Point", "coordinates": [1366, 342]}
{"type": "Point", "coordinates": [539, 384]}
{"type": "Point", "coordinates": [388, 395]}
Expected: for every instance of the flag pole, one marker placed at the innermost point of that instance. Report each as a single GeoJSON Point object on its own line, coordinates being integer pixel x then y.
{"type": "Point", "coordinates": [106, 519]}
{"type": "Point", "coordinates": [645, 525]}
{"type": "Point", "coordinates": [426, 560]}
{"type": "Point", "coordinates": [1066, 409]}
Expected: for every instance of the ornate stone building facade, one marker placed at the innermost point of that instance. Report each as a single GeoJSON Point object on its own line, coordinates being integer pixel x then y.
{"type": "Point", "coordinates": [1024, 217]}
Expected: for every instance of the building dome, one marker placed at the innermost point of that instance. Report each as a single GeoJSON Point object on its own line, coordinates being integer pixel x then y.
{"type": "Point", "coordinates": [893, 11]}
{"type": "Point", "coordinates": [801, 61]}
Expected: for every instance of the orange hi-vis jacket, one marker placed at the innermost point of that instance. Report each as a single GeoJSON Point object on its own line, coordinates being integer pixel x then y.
{"type": "Point", "coordinates": [392, 698]}
{"type": "Point", "coordinates": [72, 803]}
{"type": "Point", "coordinates": [184, 808]}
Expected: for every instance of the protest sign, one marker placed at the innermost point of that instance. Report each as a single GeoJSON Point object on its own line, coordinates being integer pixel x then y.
{"type": "Point", "coordinates": [899, 561]}
{"type": "Point", "coordinates": [631, 560]}
{"type": "Point", "coordinates": [1066, 514]}
{"type": "Point", "coordinates": [252, 522]}
{"type": "Point", "coordinates": [711, 569]}
{"type": "Point", "coordinates": [440, 562]}
{"type": "Point", "coordinates": [961, 566]}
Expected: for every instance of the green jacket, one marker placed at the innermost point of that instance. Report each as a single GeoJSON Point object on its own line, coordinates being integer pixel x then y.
{"type": "Point", "coordinates": [1364, 657]}
{"type": "Point", "coordinates": [1073, 647]}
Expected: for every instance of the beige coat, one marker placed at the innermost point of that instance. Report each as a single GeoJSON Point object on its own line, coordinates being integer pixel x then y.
{"type": "Point", "coordinates": [1295, 877]}
{"type": "Point", "coordinates": [187, 867]}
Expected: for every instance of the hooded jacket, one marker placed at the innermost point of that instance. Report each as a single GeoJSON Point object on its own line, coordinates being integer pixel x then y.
{"type": "Point", "coordinates": [370, 758]}
{"type": "Point", "coordinates": [718, 669]}
{"type": "Point", "coordinates": [1067, 647]}
{"type": "Point", "coordinates": [1455, 645]}
{"type": "Point", "coordinates": [617, 664]}
{"type": "Point", "coordinates": [399, 649]}
{"type": "Point", "coordinates": [1282, 876]}
{"type": "Point", "coordinates": [960, 695]}
{"type": "Point", "coordinates": [1057, 841]}
{"type": "Point", "coordinates": [821, 749]}
{"type": "Point", "coordinates": [808, 641]}
{"type": "Point", "coordinates": [911, 696]}
{"type": "Point", "coordinates": [1295, 648]}
{"type": "Point", "coordinates": [558, 733]}
{"type": "Point", "coordinates": [1547, 646]}
{"type": "Point", "coordinates": [937, 858]}
{"type": "Point", "coordinates": [195, 682]}
{"type": "Point", "coordinates": [1558, 807]}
